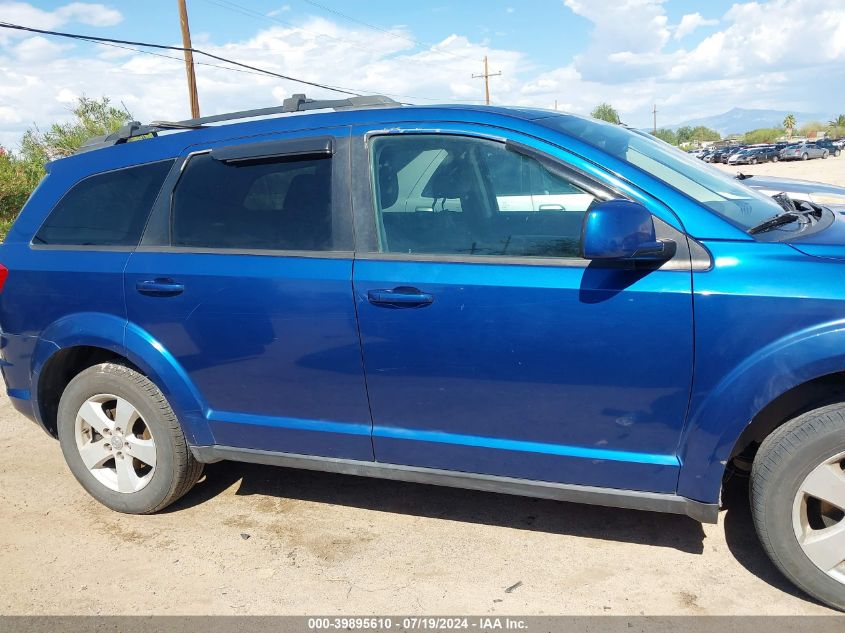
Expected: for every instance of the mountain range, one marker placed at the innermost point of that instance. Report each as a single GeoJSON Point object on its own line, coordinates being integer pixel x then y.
{"type": "Point", "coordinates": [739, 120]}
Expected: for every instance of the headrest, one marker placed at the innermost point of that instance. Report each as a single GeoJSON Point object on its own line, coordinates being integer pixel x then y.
{"type": "Point", "coordinates": [388, 183]}
{"type": "Point", "coordinates": [452, 178]}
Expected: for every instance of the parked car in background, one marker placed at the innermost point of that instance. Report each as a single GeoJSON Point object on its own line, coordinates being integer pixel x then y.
{"type": "Point", "coordinates": [501, 299]}
{"type": "Point", "coordinates": [803, 151]}
{"type": "Point", "coordinates": [832, 147]}
{"type": "Point", "coordinates": [722, 154]}
{"type": "Point", "coordinates": [831, 196]}
{"type": "Point", "coordinates": [754, 155]}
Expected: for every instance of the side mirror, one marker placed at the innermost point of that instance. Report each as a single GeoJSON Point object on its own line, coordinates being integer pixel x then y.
{"type": "Point", "coordinates": [622, 230]}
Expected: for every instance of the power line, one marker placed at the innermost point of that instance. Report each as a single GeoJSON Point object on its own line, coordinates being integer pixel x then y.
{"type": "Point", "coordinates": [242, 68]}
{"type": "Point", "coordinates": [486, 77]}
{"type": "Point", "coordinates": [91, 38]}
{"type": "Point", "coordinates": [239, 8]}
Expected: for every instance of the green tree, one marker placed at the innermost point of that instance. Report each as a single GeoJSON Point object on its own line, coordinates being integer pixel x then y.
{"type": "Point", "coordinates": [789, 124]}
{"type": "Point", "coordinates": [812, 126]}
{"type": "Point", "coordinates": [20, 173]}
{"type": "Point", "coordinates": [667, 135]}
{"type": "Point", "coordinates": [702, 133]}
{"type": "Point", "coordinates": [91, 117]}
{"type": "Point", "coordinates": [605, 112]}
{"type": "Point", "coordinates": [17, 180]}
{"type": "Point", "coordinates": [838, 121]}
{"type": "Point", "coordinates": [763, 135]}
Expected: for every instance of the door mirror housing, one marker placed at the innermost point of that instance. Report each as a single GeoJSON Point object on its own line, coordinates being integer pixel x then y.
{"type": "Point", "coordinates": [622, 230]}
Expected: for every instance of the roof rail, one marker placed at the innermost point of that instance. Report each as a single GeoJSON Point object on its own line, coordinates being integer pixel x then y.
{"type": "Point", "coordinates": [296, 103]}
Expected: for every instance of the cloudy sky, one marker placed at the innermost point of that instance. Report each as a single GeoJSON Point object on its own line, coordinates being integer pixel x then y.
{"type": "Point", "coordinates": [692, 58]}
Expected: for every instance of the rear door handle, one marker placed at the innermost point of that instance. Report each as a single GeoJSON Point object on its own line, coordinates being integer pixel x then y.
{"type": "Point", "coordinates": [162, 287]}
{"type": "Point", "coordinates": [402, 297]}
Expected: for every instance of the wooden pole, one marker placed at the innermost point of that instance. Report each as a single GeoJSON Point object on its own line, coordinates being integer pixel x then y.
{"type": "Point", "coordinates": [189, 60]}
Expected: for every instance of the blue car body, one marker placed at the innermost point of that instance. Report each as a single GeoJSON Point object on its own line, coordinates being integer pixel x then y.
{"type": "Point", "coordinates": [557, 372]}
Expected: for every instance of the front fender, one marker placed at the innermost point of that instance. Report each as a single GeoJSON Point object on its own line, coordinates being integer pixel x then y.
{"type": "Point", "coordinates": [717, 422]}
{"type": "Point", "coordinates": [113, 333]}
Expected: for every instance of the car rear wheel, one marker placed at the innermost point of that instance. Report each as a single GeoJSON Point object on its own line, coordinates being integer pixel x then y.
{"type": "Point", "coordinates": [824, 154]}
{"type": "Point", "coordinates": [804, 156]}
{"type": "Point", "coordinates": [798, 501]}
{"type": "Point", "coordinates": [122, 441]}
{"type": "Point", "coordinates": [774, 159]}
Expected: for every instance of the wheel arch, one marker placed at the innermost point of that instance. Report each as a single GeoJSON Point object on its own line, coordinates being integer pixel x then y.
{"type": "Point", "coordinates": [79, 341]}
{"type": "Point", "coordinates": [791, 375]}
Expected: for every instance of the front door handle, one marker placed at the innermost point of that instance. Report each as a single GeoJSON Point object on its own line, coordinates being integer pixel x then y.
{"type": "Point", "coordinates": [161, 287]}
{"type": "Point", "coordinates": [402, 297]}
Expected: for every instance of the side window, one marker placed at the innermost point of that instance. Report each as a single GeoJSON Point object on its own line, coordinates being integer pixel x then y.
{"type": "Point", "coordinates": [108, 209]}
{"type": "Point", "coordinates": [454, 195]}
{"type": "Point", "coordinates": [277, 204]}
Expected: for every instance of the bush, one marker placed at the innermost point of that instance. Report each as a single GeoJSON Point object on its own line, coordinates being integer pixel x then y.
{"type": "Point", "coordinates": [763, 135]}
{"type": "Point", "coordinates": [18, 178]}
{"type": "Point", "coordinates": [20, 174]}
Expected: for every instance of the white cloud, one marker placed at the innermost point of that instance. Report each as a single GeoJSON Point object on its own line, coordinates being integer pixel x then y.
{"type": "Point", "coordinates": [757, 58]}
{"type": "Point", "coordinates": [283, 9]}
{"type": "Point", "coordinates": [690, 22]}
{"type": "Point", "coordinates": [81, 12]}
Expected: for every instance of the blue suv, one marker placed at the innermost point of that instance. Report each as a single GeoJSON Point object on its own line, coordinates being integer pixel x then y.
{"type": "Point", "coordinates": [510, 300]}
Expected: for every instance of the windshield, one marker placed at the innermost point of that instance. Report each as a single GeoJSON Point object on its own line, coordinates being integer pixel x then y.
{"type": "Point", "coordinates": [706, 185]}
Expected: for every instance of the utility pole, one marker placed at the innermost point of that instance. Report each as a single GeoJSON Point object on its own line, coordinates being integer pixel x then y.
{"type": "Point", "coordinates": [486, 76]}
{"type": "Point", "coordinates": [654, 114]}
{"type": "Point", "coordinates": [189, 60]}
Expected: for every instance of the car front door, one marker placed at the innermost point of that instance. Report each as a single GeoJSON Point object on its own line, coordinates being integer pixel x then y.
{"type": "Point", "coordinates": [244, 277]}
{"type": "Point", "coordinates": [489, 346]}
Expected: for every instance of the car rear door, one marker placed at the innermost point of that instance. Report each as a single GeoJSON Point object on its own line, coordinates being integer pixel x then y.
{"type": "Point", "coordinates": [244, 277]}
{"type": "Point", "coordinates": [489, 345]}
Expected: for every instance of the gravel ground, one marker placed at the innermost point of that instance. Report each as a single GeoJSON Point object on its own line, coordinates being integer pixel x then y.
{"type": "Point", "coordinates": [259, 540]}
{"type": "Point", "coordinates": [830, 170]}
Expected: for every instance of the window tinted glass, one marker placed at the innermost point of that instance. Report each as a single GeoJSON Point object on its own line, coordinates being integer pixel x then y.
{"type": "Point", "coordinates": [462, 196]}
{"type": "Point", "coordinates": [109, 209]}
{"type": "Point", "coordinates": [277, 205]}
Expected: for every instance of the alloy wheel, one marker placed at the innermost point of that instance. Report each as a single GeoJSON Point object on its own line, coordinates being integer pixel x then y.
{"type": "Point", "coordinates": [115, 443]}
{"type": "Point", "coordinates": [818, 517]}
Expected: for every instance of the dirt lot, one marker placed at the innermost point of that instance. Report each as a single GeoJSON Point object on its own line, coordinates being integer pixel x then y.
{"type": "Point", "coordinates": [258, 540]}
{"type": "Point", "coordinates": [830, 170]}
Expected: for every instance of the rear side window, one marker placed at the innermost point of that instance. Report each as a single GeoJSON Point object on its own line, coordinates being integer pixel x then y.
{"type": "Point", "coordinates": [276, 204]}
{"type": "Point", "coordinates": [108, 209]}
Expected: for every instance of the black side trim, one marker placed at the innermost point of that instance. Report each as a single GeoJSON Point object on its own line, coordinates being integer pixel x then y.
{"type": "Point", "coordinates": [632, 499]}
{"type": "Point", "coordinates": [293, 148]}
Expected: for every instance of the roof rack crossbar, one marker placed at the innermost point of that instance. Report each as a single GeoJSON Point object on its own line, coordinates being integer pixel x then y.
{"type": "Point", "coordinates": [296, 103]}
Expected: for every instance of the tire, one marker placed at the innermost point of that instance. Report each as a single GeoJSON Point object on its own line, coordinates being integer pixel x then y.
{"type": "Point", "coordinates": [824, 154]}
{"type": "Point", "coordinates": [136, 470]}
{"type": "Point", "coordinates": [775, 159]}
{"type": "Point", "coordinates": [785, 513]}
{"type": "Point", "coordinates": [804, 156]}
{"type": "Point", "coordinates": [837, 153]}
{"type": "Point", "coordinates": [753, 161]}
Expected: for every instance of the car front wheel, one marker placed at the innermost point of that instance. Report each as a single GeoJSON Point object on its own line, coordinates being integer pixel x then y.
{"type": "Point", "coordinates": [774, 159]}
{"type": "Point", "coordinates": [804, 156]}
{"type": "Point", "coordinates": [798, 501]}
{"type": "Point", "coordinates": [122, 441]}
